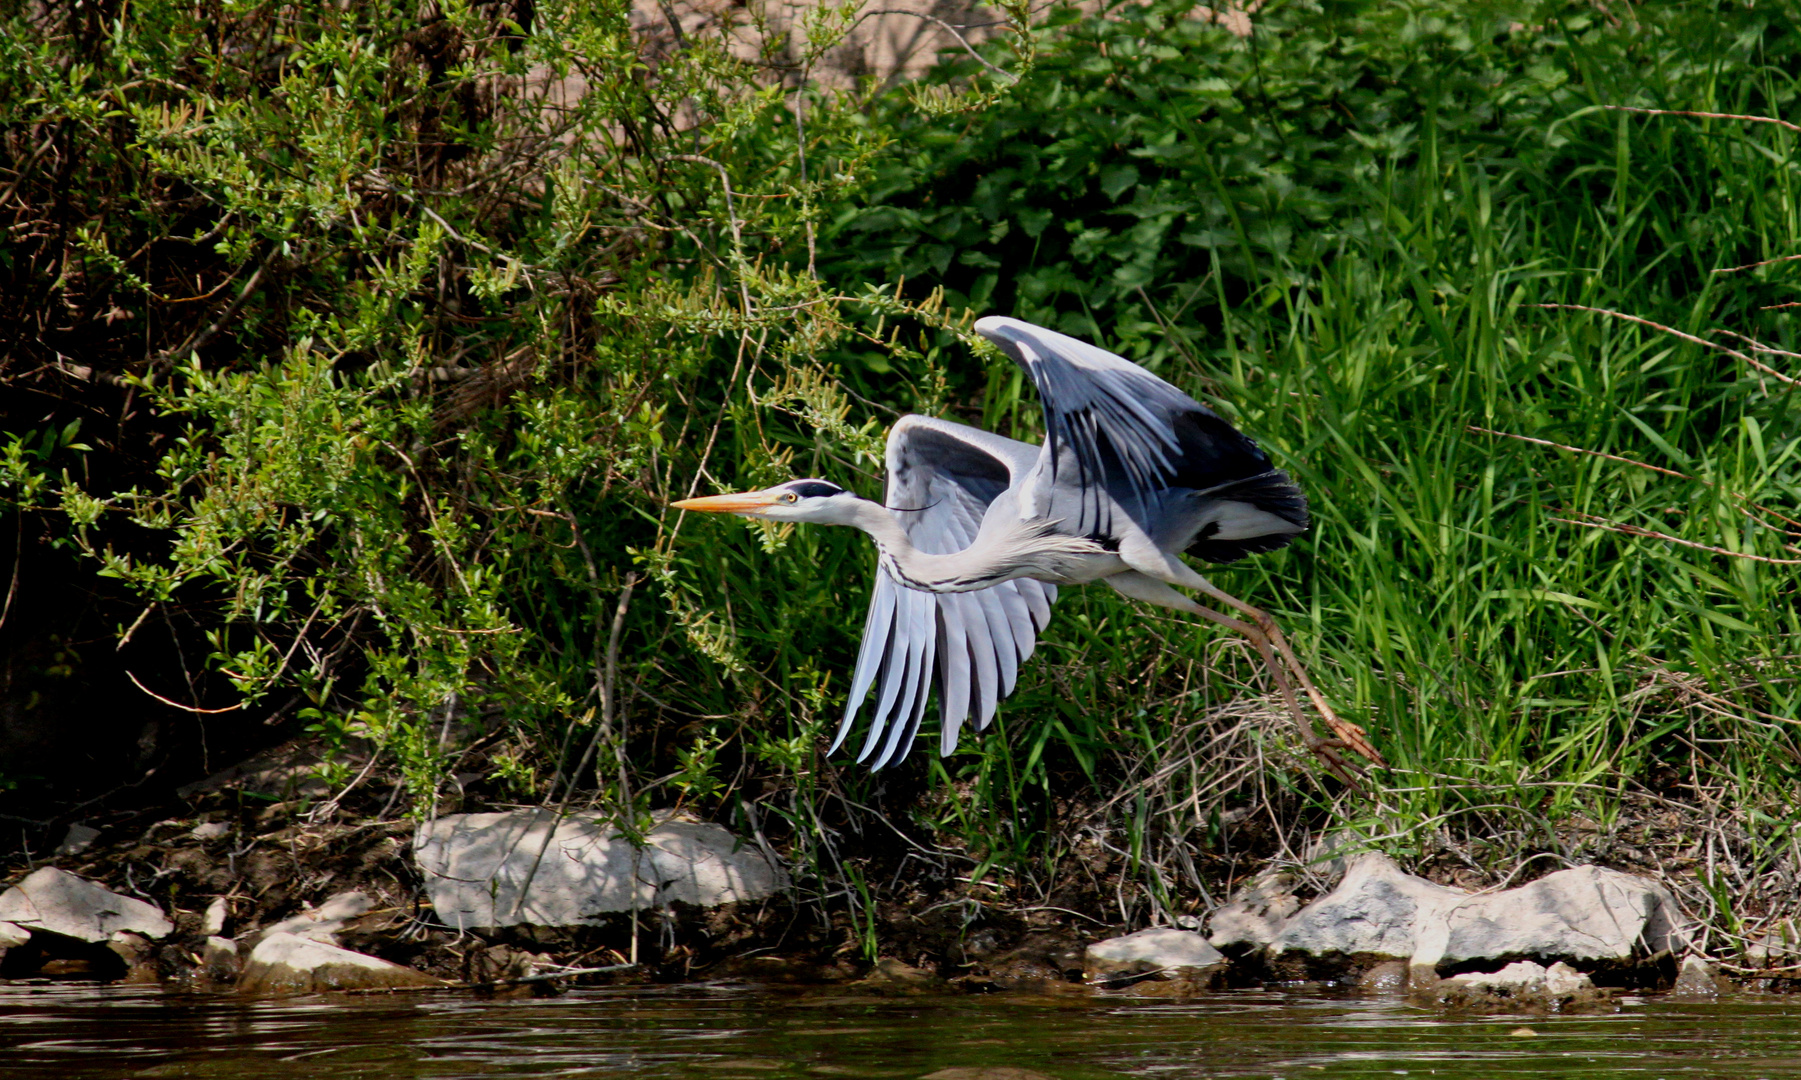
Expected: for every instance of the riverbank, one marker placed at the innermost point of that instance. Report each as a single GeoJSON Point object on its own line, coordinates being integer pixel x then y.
{"type": "Point", "coordinates": [242, 863]}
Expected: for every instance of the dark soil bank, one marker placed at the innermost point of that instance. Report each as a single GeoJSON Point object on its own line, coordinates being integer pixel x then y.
{"type": "Point", "coordinates": [255, 846]}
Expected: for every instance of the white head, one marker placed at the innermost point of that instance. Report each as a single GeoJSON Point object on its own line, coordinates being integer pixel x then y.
{"type": "Point", "coordinates": [797, 500]}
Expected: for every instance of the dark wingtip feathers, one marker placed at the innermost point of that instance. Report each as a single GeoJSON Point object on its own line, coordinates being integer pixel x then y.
{"type": "Point", "coordinates": [1272, 492]}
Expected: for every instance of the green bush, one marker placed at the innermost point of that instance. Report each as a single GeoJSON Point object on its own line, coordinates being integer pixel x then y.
{"type": "Point", "coordinates": [423, 320]}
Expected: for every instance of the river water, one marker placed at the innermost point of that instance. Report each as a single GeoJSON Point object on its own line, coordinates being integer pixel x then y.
{"type": "Point", "coordinates": [66, 1031]}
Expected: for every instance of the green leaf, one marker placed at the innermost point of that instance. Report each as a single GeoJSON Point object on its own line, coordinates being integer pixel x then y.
{"type": "Point", "coordinates": [1116, 180]}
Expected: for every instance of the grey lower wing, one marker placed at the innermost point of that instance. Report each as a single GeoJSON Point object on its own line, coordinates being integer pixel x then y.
{"type": "Point", "coordinates": [970, 645]}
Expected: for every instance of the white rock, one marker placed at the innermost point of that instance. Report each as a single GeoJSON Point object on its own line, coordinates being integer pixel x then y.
{"type": "Point", "coordinates": [1255, 915]}
{"type": "Point", "coordinates": [1161, 950]}
{"type": "Point", "coordinates": [217, 914]}
{"type": "Point", "coordinates": [1522, 983]}
{"type": "Point", "coordinates": [78, 839]}
{"type": "Point", "coordinates": [62, 903]}
{"type": "Point", "coordinates": [476, 864]}
{"type": "Point", "coordinates": [11, 937]}
{"type": "Point", "coordinates": [290, 964]}
{"type": "Point", "coordinates": [1561, 978]}
{"type": "Point", "coordinates": [210, 830]}
{"type": "Point", "coordinates": [1586, 913]}
{"type": "Point", "coordinates": [326, 921]}
{"type": "Point", "coordinates": [1376, 911]}
{"type": "Point", "coordinates": [1696, 978]}
{"type": "Point", "coordinates": [1780, 946]}
{"type": "Point", "coordinates": [1525, 975]}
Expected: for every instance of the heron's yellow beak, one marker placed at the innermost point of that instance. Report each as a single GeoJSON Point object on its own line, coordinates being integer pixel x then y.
{"type": "Point", "coordinates": [748, 502]}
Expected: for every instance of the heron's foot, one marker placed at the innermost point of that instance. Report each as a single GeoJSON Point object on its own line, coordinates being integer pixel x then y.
{"type": "Point", "coordinates": [1327, 750]}
{"type": "Point", "coordinates": [1351, 737]}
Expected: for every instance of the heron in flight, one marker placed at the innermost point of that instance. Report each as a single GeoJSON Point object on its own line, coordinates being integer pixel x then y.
{"type": "Point", "coordinates": [979, 530]}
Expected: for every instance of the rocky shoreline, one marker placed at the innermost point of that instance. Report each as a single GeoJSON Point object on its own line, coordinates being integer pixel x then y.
{"type": "Point", "coordinates": [442, 906]}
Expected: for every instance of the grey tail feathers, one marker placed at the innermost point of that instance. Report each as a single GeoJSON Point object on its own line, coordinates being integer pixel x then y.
{"type": "Point", "coordinates": [1272, 492]}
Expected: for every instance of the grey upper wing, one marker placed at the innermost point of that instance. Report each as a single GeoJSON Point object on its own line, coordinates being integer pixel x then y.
{"type": "Point", "coordinates": [1118, 435]}
{"type": "Point", "coordinates": [942, 477]}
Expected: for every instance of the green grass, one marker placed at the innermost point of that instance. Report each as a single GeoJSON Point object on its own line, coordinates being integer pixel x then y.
{"type": "Point", "coordinates": [1540, 638]}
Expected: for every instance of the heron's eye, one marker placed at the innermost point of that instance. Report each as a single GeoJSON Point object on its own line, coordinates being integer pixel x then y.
{"type": "Point", "coordinates": [791, 497]}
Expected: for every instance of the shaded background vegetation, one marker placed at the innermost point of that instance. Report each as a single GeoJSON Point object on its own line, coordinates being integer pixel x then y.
{"type": "Point", "coordinates": [356, 351]}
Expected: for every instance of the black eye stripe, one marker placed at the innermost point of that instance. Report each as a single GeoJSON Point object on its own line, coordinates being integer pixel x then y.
{"type": "Point", "coordinates": [812, 489]}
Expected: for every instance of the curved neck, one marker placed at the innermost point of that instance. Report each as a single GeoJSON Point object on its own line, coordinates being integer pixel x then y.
{"type": "Point", "coordinates": [1032, 549]}
{"type": "Point", "coordinates": [958, 572]}
{"type": "Point", "coordinates": [876, 520]}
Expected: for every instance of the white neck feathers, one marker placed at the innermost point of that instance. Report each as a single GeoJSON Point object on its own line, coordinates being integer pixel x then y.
{"type": "Point", "coordinates": [1011, 549]}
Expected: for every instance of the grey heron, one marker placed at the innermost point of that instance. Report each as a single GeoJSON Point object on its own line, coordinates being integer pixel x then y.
{"type": "Point", "coordinates": [979, 531]}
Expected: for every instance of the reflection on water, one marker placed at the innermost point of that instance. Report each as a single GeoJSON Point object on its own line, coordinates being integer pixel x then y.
{"type": "Point", "coordinates": [68, 1031]}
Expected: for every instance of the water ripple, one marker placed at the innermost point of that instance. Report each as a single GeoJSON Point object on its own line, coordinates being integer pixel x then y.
{"type": "Point", "coordinates": [737, 1032]}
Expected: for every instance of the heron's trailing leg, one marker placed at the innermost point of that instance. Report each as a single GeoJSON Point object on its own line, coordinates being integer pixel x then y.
{"type": "Point", "coordinates": [1263, 633]}
{"type": "Point", "coordinates": [1349, 734]}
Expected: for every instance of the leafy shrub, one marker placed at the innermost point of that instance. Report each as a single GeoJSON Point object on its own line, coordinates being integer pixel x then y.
{"type": "Point", "coordinates": [417, 322]}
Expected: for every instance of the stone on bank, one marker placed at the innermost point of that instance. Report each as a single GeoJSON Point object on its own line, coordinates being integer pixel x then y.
{"type": "Point", "coordinates": [1162, 952]}
{"type": "Point", "coordinates": [1521, 986]}
{"type": "Point", "coordinates": [284, 964]}
{"type": "Point", "coordinates": [58, 902]}
{"type": "Point", "coordinates": [1378, 913]}
{"type": "Point", "coordinates": [529, 867]}
{"type": "Point", "coordinates": [12, 935]}
{"type": "Point", "coordinates": [79, 928]}
{"type": "Point", "coordinates": [325, 922]}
